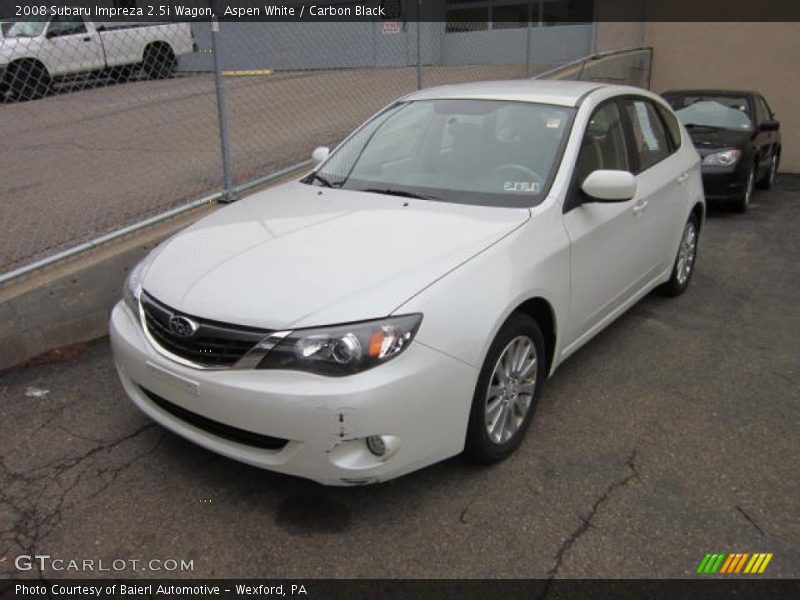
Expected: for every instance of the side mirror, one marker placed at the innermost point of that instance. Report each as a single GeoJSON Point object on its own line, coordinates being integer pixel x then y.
{"type": "Point", "coordinates": [320, 154]}
{"type": "Point", "coordinates": [610, 186]}
{"type": "Point", "coordinates": [770, 126]}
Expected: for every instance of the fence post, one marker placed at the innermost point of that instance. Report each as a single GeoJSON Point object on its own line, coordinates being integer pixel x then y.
{"type": "Point", "coordinates": [222, 116]}
{"type": "Point", "coordinates": [528, 43]}
{"type": "Point", "coordinates": [419, 45]}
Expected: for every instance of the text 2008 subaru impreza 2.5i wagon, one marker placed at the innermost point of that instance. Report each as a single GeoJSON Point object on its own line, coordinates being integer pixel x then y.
{"type": "Point", "coordinates": [407, 300]}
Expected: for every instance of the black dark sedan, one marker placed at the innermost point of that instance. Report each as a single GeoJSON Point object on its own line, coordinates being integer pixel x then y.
{"type": "Point", "coordinates": [738, 138]}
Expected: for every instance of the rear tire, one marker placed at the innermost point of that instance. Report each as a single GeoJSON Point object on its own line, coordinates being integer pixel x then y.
{"type": "Point", "coordinates": [507, 392]}
{"type": "Point", "coordinates": [159, 61]}
{"type": "Point", "coordinates": [742, 203]}
{"type": "Point", "coordinates": [683, 267]}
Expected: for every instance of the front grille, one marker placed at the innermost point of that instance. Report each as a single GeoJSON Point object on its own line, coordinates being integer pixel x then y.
{"type": "Point", "coordinates": [228, 432]}
{"type": "Point", "coordinates": [213, 344]}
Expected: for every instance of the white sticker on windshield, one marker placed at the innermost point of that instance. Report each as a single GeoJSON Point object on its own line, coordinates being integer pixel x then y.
{"type": "Point", "coordinates": [522, 186]}
{"type": "Point", "coordinates": [553, 123]}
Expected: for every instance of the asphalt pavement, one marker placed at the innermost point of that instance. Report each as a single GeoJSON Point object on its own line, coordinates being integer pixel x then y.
{"type": "Point", "coordinates": [672, 434]}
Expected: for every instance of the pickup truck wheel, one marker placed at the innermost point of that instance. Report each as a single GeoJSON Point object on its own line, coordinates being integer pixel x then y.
{"type": "Point", "coordinates": [28, 81]}
{"type": "Point", "coordinates": [159, 61]}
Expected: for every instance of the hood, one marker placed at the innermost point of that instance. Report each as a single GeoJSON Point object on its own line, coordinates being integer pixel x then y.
{"type": "Point", "coordinates": [298, 255]}
{"type": "Point", "coordinates": [714, 139]}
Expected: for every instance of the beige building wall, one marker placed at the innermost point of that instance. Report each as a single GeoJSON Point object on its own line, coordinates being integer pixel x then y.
{"type": "Point", "coordinates": [760, 56]}
{"type": "Point", "coordinates": [615, 35]}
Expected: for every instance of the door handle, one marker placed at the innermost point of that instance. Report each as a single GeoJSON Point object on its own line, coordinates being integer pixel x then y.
{"type": "Point", "coordinates": [87, 39]}
{"type": "Point", "coordinates": [639, 207]}
{"type": "Point", "coordinates": [683, 178]}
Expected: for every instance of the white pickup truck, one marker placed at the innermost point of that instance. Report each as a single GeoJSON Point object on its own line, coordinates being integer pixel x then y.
{"type": "Point", "coordinates": [34, 54]}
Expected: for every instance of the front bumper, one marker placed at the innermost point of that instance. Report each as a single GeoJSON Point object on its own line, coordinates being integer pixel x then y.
{"type": "Point", "coordinates": [724, 183]}
{"type": "Point", "coordinates": [420, 401]}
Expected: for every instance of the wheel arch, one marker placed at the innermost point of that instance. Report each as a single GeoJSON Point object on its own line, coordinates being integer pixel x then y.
{"type": "Point", "coordinates": [699, 211]}
{"type": "Point", "coordinates": [27, 60]}
{"type": "Point", "coordinates": [542, 312]}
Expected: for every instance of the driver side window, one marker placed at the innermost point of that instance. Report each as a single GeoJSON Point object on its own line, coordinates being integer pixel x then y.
{"type": "Point", "coordinates": [66, 26]}
{"type": "Point", "coordinates": [603, 145]}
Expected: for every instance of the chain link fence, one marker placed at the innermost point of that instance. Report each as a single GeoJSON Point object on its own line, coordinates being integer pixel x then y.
{"type": "Point", "coordinates": [107, 124]}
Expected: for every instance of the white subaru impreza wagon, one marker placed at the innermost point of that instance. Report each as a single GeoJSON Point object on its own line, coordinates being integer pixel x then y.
{"type": "Point", "coordinates": [407, 299]}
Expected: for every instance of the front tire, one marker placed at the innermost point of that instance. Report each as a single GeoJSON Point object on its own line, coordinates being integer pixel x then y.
{"type": "Point", "coordinates": [742, 203]}
{"type": "Point", "coordinates": [28, 81]}
{"type": "Point", "coordinates": [683, 268]}
{"type": "Point", "coordinates": [507, 392]}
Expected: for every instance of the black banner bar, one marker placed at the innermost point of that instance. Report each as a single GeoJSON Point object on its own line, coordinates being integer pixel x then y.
{"type": "Point", "coordinates": [403, 10]}
{"type": "Point", "coordinates": [699, 588]}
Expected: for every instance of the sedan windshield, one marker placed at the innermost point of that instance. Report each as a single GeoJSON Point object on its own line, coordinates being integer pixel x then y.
{"type": "Point", "coordinates": [469, 151]}
{"type": "Point", "coordinates": [712, 110]}
{"type": "Point", "coordinates": [26, 29]}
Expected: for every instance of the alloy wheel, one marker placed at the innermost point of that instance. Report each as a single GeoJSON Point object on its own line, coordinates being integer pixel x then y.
{"type": "Point", "coordinates": [511, 388]}
{"type": "Point", "coordinates": [687, 252]}
{"type": "Point", "coordinates": [751, 181]}
{"type": "Point", "coordinates": [773, 170]}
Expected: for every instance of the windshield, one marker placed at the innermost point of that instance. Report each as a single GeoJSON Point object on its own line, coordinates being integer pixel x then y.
{"type": "Point", "coordinates": [717, 111]}
{"type": "Point", "coordinates": [469, 151]}
{"type": "Point", "coordinates": [26, 29]}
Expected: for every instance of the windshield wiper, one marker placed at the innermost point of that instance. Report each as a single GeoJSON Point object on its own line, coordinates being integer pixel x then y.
{"type": "Point", "coordinates": [401, 193]}
{"type": "Point", "coordinates": [319, 178]}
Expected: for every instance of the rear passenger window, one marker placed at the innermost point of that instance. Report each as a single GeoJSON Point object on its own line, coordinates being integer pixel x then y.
{"type": "Point", "coordinates": [603, 145]}
{"type": "Point", "coordinates": [649, 136]}
{"type": "Point", "coordinates": [762, 111]}
{"type": "Point", "coordinates": [673, 126]}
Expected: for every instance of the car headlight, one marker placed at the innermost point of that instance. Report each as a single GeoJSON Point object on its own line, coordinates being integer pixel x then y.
{"type": "Point", "coordinates": [726, 158]}
{"type": "Point", "coordinates": [132, 289]}
{"type": "Point", "coordinates": [343, 349]}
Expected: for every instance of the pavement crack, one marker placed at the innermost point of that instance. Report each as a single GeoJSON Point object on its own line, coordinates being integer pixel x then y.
{"type": "Point", "coordinates": [586, 520]}
{"type": "Point", "coordinates": [750, 520]}
{"type": "Point", "coordinates": [463, 516]}
{"type": "Point", "coordinates": [40, 497]}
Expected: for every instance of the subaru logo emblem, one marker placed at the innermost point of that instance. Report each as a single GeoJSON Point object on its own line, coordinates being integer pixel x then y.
{"type": "Point", "coordinates": [182, 327]}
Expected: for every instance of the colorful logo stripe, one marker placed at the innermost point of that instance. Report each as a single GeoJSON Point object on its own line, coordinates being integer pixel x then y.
{"type": "Point", "coordinates": [734, 563]}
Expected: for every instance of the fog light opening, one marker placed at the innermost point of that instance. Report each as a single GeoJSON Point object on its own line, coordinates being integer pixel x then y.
{"type": "Point", "coordinates": [376, 445]}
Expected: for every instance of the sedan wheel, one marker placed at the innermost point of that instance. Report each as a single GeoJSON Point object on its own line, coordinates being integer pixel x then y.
{"type": "Point", "coordinates": [507, 391]}
{"type": "Point", "coordinates": [769, 181]}
{"type": "Point", "coordinates": [743, 202]}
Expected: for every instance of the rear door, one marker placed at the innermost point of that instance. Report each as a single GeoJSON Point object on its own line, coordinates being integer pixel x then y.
{"type": "Point", "coordinates": [662, 175]}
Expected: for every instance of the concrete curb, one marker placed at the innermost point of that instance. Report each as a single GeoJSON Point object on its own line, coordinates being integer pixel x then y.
{"type": "Point", "coordinates": [70, 302]}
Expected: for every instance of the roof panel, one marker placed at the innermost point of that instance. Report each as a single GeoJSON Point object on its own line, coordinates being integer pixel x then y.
{"type": "Point", "coordinates": [562, 93]}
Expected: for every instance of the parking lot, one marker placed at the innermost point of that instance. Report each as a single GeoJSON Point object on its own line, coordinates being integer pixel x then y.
{"type": "Point", "coordinates": [81, 163]}
{"type": "Point", "coordinates": [672, 434]}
